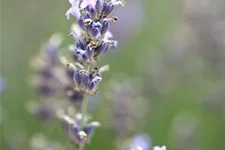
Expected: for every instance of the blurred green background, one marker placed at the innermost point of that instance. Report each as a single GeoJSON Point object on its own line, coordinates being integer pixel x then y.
{"type": "Point", "coordinates": [26, 24]}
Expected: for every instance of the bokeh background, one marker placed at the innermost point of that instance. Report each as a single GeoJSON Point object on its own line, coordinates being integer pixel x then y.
{"type": "Point", "coordinates": [176, 48]}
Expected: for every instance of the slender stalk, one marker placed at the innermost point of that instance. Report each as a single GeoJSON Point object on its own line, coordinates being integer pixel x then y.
{"type": "Point", "coordinates": [85, 104]}
{"type": "Point", "coordinates": [84, 110]}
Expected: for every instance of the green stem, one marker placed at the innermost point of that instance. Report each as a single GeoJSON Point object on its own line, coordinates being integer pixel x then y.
{"type": "Point", "coordinates": [84, 104]}
{"type": "Point", "coordinates": [84, 110]}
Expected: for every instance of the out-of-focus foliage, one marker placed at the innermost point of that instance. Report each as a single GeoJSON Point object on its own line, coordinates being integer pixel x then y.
{"type": "Point", "coordinates": [176, 48]}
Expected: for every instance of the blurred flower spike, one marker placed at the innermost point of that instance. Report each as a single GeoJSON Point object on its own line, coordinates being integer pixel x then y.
{"type": "Point", "coordinates": [92, 39]}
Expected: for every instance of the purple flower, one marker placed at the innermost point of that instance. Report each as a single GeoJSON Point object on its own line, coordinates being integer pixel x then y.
{"type": "Point", "coordinates": [74, 9]}
{"type": "Point", "coordinates": [87, 81]}
{"type": "Point", "coordinates": [86, 3]}
{"type": "Point", "coordinates": [92, 29]}
{"type": "Point", "coordinates": [78, 134]}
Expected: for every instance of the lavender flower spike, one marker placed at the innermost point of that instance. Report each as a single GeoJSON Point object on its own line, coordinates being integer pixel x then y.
{"type": "Point", "coordinates": [79, 78]}
{"type": "Point", "coordinates": [159, 148]}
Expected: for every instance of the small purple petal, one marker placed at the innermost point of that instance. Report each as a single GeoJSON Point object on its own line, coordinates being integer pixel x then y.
{"type": "Point", "coordinates": [79, 51]}
{"type": "Point", "coordinates": [91, 85]}
{"type": "Point", "coordinates": [87, 16]}
{"type": "Point", "coordinates": [73, 132]}
{"type": "Point", "coordinates": [95, 32]}
{"type": "Point", "coordinates": [70, 73]}
{"type": "Point", "coordinates": [85, 56]}
{"type": "Point", "coordinates": [93, 12]}
{"type": "Point", "coordinates": [81, 23]}
{"type": "Point", "coordinates": [96, 24]}
{"type": "Point", "coordinates": [80, 45]}
{"type": "Point", "coordinates": [86, 3]}
{"type": "Point", "coordinates": [105, 27]}
{"type": "Point", "coordinates": [84, 80]}
{"type": "Point", "coordinates": [107, 9]}
{"type": "Point", "coordinates": [77, 78]}
{"type": "Point", "coordinates": [98, 5]}
{"type": "Point", "coordinates": [73, 11]}
{"type": "Point", "coordinates": [99, 49]}
{"type": "Point", "coordinates": [88, 129]}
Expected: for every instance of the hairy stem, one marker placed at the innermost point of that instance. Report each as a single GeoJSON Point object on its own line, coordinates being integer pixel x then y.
{"type": "Point", "coordinates": [84, 110]}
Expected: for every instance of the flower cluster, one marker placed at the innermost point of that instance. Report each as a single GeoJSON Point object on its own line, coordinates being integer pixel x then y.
{"type": "Point", "coordinates": [92, 39]}
{"type": "Point", "coordinates": [78, 129]}
{"type": "Point", "coordinates": [91, 32]}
